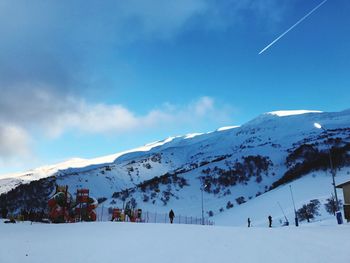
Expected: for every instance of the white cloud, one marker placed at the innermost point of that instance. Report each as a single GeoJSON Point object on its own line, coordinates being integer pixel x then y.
{"type": "Point", "coordinates": [117, 119]}
{"type": "Point", "coordinates": [14, 142]}
{"type": "Point", "coordinates": [41, 112]}
{"type": "Point", "coordinates": [203, 106]}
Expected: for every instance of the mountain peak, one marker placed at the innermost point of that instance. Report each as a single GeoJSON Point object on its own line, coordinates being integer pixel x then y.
{"type": "Point", "coordinates": [283, 113]}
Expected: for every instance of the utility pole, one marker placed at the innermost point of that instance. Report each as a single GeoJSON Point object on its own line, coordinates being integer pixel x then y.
{"type": "Point", "coordinates": [295, 211]}
{"type": "Point", "coordinates": [202, 189]}
{"type": "Point", "coordinates": [202, 206]}
{"type": "Point", "coordinates": [333, 172]}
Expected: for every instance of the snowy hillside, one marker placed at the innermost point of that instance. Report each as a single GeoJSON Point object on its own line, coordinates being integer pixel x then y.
{"type": "Point", "coordinates": [236, 166]}
{"type": "Point", "coordinates": [317, 185]}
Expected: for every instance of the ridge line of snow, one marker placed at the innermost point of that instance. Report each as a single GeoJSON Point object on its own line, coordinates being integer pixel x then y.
{"type": "Point", "coordinates": [284, 113]}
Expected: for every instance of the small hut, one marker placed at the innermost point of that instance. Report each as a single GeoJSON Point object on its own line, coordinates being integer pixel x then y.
{"type": "Point", "coordinates": [346, 192]}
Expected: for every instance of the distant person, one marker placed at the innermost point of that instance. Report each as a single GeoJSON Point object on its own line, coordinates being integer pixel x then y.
{"type": "Point", "coordinates": [248, 222]}
{"type": "Point", "coordinates": [270, 220]}
{"type": "Point", "coordinates": [171, 216]}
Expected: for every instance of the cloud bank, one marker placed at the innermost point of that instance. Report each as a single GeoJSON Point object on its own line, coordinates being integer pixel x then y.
{"type": "Point", "coordinates": [49, 48]}
{"type": "Point", "coordinates": [41, 112]}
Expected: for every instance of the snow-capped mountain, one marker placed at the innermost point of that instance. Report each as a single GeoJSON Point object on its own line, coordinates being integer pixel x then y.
{"type": "Point", "coordinates": [233, 165]}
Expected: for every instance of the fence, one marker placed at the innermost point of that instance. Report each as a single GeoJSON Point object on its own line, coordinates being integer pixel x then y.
{"type": "Point", "coordinates": [148, 217]}
{"type": "Point", "coordinates": [161, 218]}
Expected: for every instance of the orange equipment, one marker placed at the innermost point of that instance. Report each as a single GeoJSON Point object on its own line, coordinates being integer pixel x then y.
{"type": "Point", "coordinates": [85, 207]}
{"type": "Point", "coordinates": [64, 209]}
{"type": "Point", "coordinates": [59, 205]}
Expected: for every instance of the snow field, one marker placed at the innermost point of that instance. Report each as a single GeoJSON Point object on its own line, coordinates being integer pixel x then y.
{"type": "Point", "coordinates": [316, 185]}
{"type": "Point", "coordinates": [159, 243]}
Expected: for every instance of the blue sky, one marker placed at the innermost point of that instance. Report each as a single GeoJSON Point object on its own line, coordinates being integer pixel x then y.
{"type": "Point", "coordinates": [92, 78]}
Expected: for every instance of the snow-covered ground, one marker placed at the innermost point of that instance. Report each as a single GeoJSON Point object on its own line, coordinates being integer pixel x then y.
{"type": "Point", "coordinates": [164, 243]}
{"type": "Point", "coordinates": [316, 185]}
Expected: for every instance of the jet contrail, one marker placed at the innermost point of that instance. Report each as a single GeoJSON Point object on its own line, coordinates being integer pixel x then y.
{"type": "Point", "coordinates": [297, 23]}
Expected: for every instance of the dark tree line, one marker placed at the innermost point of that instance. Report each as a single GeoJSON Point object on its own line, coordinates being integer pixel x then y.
{"type": "Point", "coordinates": [238, 173]}
{"type": "Point", "coordinates": [30, 197]}
{"type": "Point", "coordinates": [166, 179]}
{"type": "Point", "coordinates": [307, 158]}
{"type": "Point", "coordinates": [152, 187]}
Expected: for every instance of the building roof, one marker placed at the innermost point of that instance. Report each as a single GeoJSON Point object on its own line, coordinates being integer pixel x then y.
{"type": "Point", "coordinates": [343, 184]}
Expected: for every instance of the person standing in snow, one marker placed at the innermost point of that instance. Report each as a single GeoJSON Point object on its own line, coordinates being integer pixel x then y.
{"type": "Point", "coordinates": [171, 216]}
{"type": "Point", "coordinates": [248, 222]}
{"type": "Point", "coordinates": [270, 220]}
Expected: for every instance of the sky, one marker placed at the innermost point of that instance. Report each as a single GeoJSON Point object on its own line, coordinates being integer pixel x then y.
{"type": "Point", "coordinates": [92, 78]}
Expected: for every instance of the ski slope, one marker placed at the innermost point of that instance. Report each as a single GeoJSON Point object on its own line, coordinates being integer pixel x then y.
{"type": "Point", "coordinates": [164, 243]}
{"type": "Point", "coordinates": [317, 185]}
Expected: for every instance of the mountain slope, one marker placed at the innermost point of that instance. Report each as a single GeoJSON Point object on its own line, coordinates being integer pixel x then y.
{"type": "Point", "coordinates": [234, 165]}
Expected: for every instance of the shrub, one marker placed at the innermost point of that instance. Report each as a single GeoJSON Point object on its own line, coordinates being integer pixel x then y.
{"type": "Point", "coordinates": [147, 166]}
{"type": "Point", "coordinates": [145, 198]}
{"type": "Point", "coordinates": [309, 211]}
{"type": "Point", "coordinates": [101, 200]}
{"type": "Point", "coordinates": [229, 205]}
{"type": "Point", "coordinates": [240, 200]}
{"type": "Point", "coordinates": [331, 206]}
